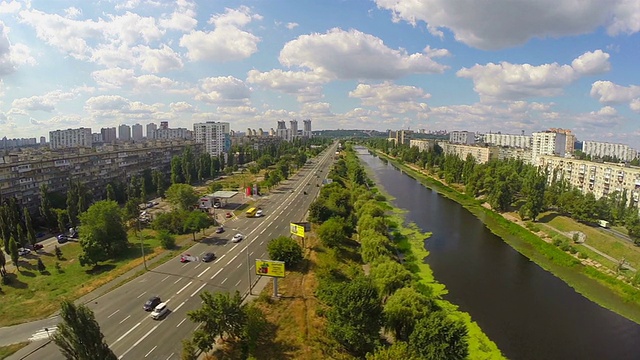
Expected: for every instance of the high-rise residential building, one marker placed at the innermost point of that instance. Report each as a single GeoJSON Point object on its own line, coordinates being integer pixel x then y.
{"type": "Point", "coordinates": [43, 140]}
{"type": "Point", "coordinates": [179, 133]}
{"type": "Point", "coordinates": [462, 137]}
{"type": "Point", "coordinates": [136, 132]}
{"type": "Point", "coordinates": [571, 139]}
{"type": "Point", "coordinates": [164, 124]}
{"type": "Point", "coordinates": [96, 138]}
{"type": "Point", "coordinates": [108, 135]}
{"type": "Point", "coordinates": [272, 132]}
{"type": "Point", "coordinates": [70, 138]}
{"type": "Point", "coordinates": [282, 131]}
{"type": "Point", "coordinates": [294, 129]}
{"type": "Point", "coordinates": [214, 135]}
{"type": "Point", "coordinates": [124, 132]}
{"type": "Point", "coordinates": [306, 128]}
{"type": "Point", "coordinates": [151, 131]}
{"type": "Point", "coordinates": [519, 141]}
{"type": "Point", "coordinates": [548, 143]}
{"type": "Point", "coordinates": [599, 149]}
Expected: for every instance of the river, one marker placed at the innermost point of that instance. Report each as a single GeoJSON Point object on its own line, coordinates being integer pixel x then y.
{"type": "Point", "coordinates": [526, 311]}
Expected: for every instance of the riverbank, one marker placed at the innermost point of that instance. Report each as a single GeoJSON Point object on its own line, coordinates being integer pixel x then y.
{"type": "Point", "coordinates": [603, 289]}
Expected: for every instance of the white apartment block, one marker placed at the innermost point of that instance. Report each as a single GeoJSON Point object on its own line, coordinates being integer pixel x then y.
{"type": "Point", "coordinates": [124, 132]}
{"type": "Point", "coordinates": [462, 137]}
{"type": "Point", "coordinates": [601, 179]}
{"type": "Point", "coordinates": [422, 145]}
{"type": "Point", "coordinates": [214, 136]}
{"type": "Point", "coordinates": [178, 133]}
{"type": "Point", "coordinates": [136, 132]}
{"type": "Point", "coordinates": [70, 138]}
{"type": "Point", "coordinates": [306, 128]}
{"type": "Point", "coordinates": [482, 154]}
{"type": "Point", "coordinates": [598, 149]}
{"type": "Point", "coordinates": [548, 143]}
{"type": "Point", "coordinates": [151, 131]}
{"type": "Point", "coordinates": [507, 153]}
{"type": "Point", "coordinates": [519, 141]}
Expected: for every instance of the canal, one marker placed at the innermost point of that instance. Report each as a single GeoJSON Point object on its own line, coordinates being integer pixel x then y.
{"type": "Point", "coordinates": [526, 311]}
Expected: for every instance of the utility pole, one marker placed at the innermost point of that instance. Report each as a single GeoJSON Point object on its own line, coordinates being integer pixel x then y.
{"type": "Point", "coordinates": [248, 269]}
{"type": "Point", "coordinates": [144, 260]}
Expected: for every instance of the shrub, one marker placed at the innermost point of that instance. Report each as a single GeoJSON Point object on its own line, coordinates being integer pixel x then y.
{"type": "Point", "coordinates": [285, 249]}
{"type": "Point", "coordinates": [167, 240]}
{"type": "Point", "coordinates": [572, 249]}
{"type": "Point", "coordinates": [582, 255]}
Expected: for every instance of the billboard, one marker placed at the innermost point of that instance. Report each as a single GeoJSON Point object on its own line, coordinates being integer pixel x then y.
{"type": "Point", "coordinates": [296, 229]}
{"type": "Point", "coordinates": [270, 268]}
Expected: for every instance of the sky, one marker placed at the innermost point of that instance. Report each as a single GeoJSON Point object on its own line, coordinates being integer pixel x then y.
{"type": "Point", "coordinates": [488, 66]}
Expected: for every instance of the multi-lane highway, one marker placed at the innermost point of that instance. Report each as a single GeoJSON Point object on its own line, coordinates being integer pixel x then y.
{"type": "Point", "coordinates": [130, 331]}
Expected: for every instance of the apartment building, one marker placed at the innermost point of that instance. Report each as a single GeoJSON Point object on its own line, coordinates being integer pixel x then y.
{"type": "Point", "coordinates": [601, 179]}
{"type": "Point", "coordinates": [518, 141]}
{"type": "Point", "coordinates": [599, 149]}
{"type": "Point", "coordinates": [571, 139]}
{"type": "Point", "coordinates": [80, 137]}
{"type": "Point", "coordinates": [108, 135]}
{"type": "Point", "coordinates": [462, 137]}
{"type": "Point", "coordinates": [176, 133]}
{"type": "Point", "coordinates": [214, 135]}
{"type": "Point", "coordinates": [124, 132]}
{"type": "Point", "coordinates": [151, 131]}
{"type": "Point", "coordinates": [22, 173]}
{"type": "Point", "coordinates": [136, 132]}
{"type": "Point", "coordinates": [506, 153]}
{"type": "Point", "coordinates": [548, 143]}
{"type": "Point", "coordinates": [400, 137]}
{"type": "Point", "coordinates": [306, 128]}
{"type": "Point", "coordinates": [482, 154]}
{"type": "Point", "coordinates": [422, 145]}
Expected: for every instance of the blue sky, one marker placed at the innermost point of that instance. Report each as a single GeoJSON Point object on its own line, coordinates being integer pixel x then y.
{"type": "Point", "coordinates": [493, 65]}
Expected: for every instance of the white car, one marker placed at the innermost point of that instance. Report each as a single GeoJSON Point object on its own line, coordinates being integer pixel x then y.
{"type": "Point", "coordinates": [237, 238]}
{"type": "Point", "coordinates": [159, 311]}
{"type": "Point", "coordinates": [23, 252]}
{"type": "Point", "coordinates": [259, 213]}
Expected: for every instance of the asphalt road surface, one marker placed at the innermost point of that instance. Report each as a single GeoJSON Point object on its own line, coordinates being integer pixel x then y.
{"type": "Point", "coordinates": [130, 331]}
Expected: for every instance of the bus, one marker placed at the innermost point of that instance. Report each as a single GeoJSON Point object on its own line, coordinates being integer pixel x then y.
{"type": "Point", "coordinates": [252, 212]}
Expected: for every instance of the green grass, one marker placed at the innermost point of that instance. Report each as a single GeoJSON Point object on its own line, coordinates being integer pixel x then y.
{"type": "Point", "coordinates": [6, 351]}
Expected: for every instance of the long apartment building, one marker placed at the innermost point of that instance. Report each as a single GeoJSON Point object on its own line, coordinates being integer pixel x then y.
{"type": "Point", "coordinates": [518, 141]}
{"type": "Point", "coordinates": [422, 145]}
{"type": "Point", "coordinates": [601, 179]}
{"type": "Point", "coordinates": [601, 149]}
{"type": "Point", "coordinates": [482, 154]}
{"type": "Point", "coordinates": [21, 174]}
{"type": "Point", "coordinates": [462, 137]}
{"type": "Point", "coordinates": [80, 137]}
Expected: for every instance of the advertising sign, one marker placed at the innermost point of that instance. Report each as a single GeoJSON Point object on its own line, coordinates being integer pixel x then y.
{"type": "Point", "coordinates": [270, 268]}
{"type": "Point", "coordinates": [296, 229]}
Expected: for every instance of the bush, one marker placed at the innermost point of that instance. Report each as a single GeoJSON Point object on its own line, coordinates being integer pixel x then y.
{"type": "Point", "coordinates": [172, 222]}
{"type": "Point", "coordinates": [58, 252]}
{"type": "Point", "coordinates": [58, 268]}
{"type": "Point", "coordinates": [572, 249]}
{"type": "Point", "coordinates": [582, 255]}
{"type": "Point", "coordinates": [167, 240]}
{"type": "Point", "coordinates": [285, 249]}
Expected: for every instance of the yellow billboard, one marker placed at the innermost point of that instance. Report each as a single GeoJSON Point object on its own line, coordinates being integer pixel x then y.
{"type": "Point", "coordinates": [297, 229]}
{"type": "Point", "coordinates": [270, 268]}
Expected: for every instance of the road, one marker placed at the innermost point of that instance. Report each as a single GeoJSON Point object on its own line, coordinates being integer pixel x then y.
{"type": "Point", "coordinates": [132, 334]}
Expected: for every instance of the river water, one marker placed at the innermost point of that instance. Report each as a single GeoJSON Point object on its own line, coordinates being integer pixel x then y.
{"type": "Point", "coordinates": [526, 311]}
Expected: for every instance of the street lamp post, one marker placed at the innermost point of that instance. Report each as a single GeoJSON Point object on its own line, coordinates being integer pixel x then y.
{"type": "Point", "coordinates": [249, 270]}
{"type": "Point", "coordinates": [144, 260]}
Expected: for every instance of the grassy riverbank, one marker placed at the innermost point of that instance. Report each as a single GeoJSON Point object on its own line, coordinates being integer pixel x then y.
{"type": "Point", "coordinates": [600, 288]}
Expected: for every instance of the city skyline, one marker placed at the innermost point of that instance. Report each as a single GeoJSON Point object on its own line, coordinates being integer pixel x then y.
{"type": "Point", "coordinates": [353, 65]}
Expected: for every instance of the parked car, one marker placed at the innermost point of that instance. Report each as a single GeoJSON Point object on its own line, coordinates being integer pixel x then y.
{"type": "Point", "coordinates": [62, 239]}
{"type": "Point", "coordinates": [24, 251]}
{"type": "Point", "coordinates": [229, 215]}
{"type": "Point", "coordinates": [37, 246]}
{"type": "Point", "coordinates": [151, 303]}
{"type": "Point", "coordinates": [208, 257]}
{"type": "Point", "coordinates": [216, 205]}
{"type": "Point", "coordinates": [159, 311]}
{"type": "Point", "coordinates": [219, 230]}
{"type": "Point", "coordinates": [237, 238]}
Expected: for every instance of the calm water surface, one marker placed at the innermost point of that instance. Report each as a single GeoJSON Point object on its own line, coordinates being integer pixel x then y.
{"type": "Point", "coordinates": [528, 312]}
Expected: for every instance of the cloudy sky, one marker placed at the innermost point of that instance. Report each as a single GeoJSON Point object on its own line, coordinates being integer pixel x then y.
{"type": "Point", "coordinates": [491, 65]}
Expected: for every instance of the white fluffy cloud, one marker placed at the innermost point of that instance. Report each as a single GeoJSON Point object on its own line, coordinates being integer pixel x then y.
{"type": "Point", "coordinates": [118, 78]}
{"type": "Point", "coordinates": [9, 7]}
{"type": "Point", "coordinates": [305, 85]}
{"type": "Point", "coordinates": [368, 57]}
{"type": "Point", "coordinates": [391, 98]}
{"type": "Point", "coordinates": [182, 19]}
{"type": "Point", "coordinates": [45, 102]}
{"type": "Point", "coordinates": [118, 107]}
{"type": "Point", "coordinates": [182, 106]}
{"type": "Point", "coordinates": [227, 41]}
{"type": "Point", "coordinates": [12, 55]}
{"type": "Point", "coordinates": [506, 81]}
{"type": "Point", "coordinates": [609, 93]}
{"type": "Point", "coordinates": [225, 90]}
{"type": "Point", "coordinates": [496, 24]}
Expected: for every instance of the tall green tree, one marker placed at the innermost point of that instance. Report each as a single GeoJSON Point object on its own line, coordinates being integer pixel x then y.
{"type": "Point", "coordinates": [390, 276]}
{"type": "Point", "coordinates": [22, 236]}
{"type": "Point", "coordinates": [45, 207]}
{"type": "Point", "coordinates": [438, 337]}
{"type": "Point", "coordinates": [632, 224]}
{"type": "Point", "coordinates": [402, 311]}
{"type": "Point", "coordinates": [183, 196]}
{"type": "Point", "coordinates": [78, 335]}
{"type": "Point", "coordinates": [13, 252]}
{"type": "Point", "coordinates": [220, 315]}
{"type": "Point", "coordinates": [333, 232]}
{"type": "Point", "coordinates": [61, 219]}
{"type": "Point", "coordinates": [5, 227]}
{"type": "Point", "coordinates": [111, 193]}
{"type": "Point", "coordinates": [285, 249]}
{"type": "Point", "coordinates": [158, 182]}
{"type": "Point", "coordinates": [176, 170]}
{"type": "Point", "coordinates": [143, 190]}
{"type": "Point", "coordinates": [196, 221]}
{"type": "Point", "coordinates": [102, 235]}
{"type": "Point", "coordinates": [72, 204]}
{"type": "Point", "coordinates": [31, 233]}
{"type": "Point", "coordinates": [400, 350]}
{"type": "Point", "coordinates": [3, 263]}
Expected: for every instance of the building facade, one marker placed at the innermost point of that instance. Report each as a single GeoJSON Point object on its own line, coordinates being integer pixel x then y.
{"type": "Point", "coordinates": [571, 139]}
{"type": "Point", "coordinates": [151, 131]}
{"type": "Point", "coordinates": [306, 128]}
{"type": "Point", "coordinates": [518, 141]}
{"type": "Point", "coordinates": [548, 143]}
{"type": "Point", "coordinates": [124, 132]}
{"type": "Point", "coordinates": [422, 145]}
{"type": "Point", "coordinates": [136, 132]}
{"type": "Point", "coordinates": [80, 137]}
{"type": "Point", "coordinates": [214, 135]}
{"type": "Point", "coordinates": [178, 133]}
{"type": "Point", "coordinates": [462, 137]}
{"type": "Point", "coordinates": [108, 135]}
{"type": "Point", "coordinates": [482, 154]}
{"type": "Point", "coordinates": [598, 149]}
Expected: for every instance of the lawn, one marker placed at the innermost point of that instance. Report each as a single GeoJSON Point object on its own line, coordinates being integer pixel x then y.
{"type": "Point", "coordinates": [6, 351]}
{"type": "Point", "coordinates": [31, 295]}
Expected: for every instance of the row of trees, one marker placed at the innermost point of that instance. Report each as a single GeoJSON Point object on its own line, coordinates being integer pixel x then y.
{"type": "Point", "coordinates": [512, 184]}
{"type": "Point", "coordinates": [389, 300]}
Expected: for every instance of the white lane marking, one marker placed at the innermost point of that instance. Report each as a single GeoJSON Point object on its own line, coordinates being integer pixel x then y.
{"type": "Point", "coordinates": [262, 231]}
{"type": "Point", "coordinates": [125, 319]}
{"type": "Point", "coordinates": [180, 323]}
{"type": "Point", "coordinates": [263, 254]}
{"type": "Point", "coordinates": [197, 265]}
{"type": "Point", "coordinates": [216, 274]}
{"type": "Point", "coordinates": [139, 341]}
{"type": "Point", "coordinates": [238, 283]}
{"type": "Point", "coordinates": [179, 306]}
{"type": "Point", "coordinates": [220, 258]}
{"type": "Point", "coordinates": [200, 288]}
{"type": "Point", "coordinates": [185, 264]}
{"type": "Point", "coordinates": [270, 234]}
{"type": "Point", "coordinates": [251, 253]}
{"type": "Point", "coordinates": [166, 277]}
{"type": "Point", "coordinates": [170, 356]}
{"type": "Point", "coordinates": [229, 262]}
{"type": "Point", "coordinates": [239, 265]}
{"type": "Point", "coordinates": [151, 350]}
{"type": "Point", "coordinates": [139, 296]}
{"type": "Point", "coordinates": [175, 282]}
{"type": "Point", "coordinates": [205, 270]}
{"type": "Point", "coordinates": [223, 281]}
{"type": "Point", "coordinates": [43, 334]}
{"type": "Point", "coordinates": [115, 312]}
{"type": "Point", "coordinates": [184, 287]}
{"type": "Point", "coordinates": [261, 242]}
{"type": "Point", "coordinates": [125, 334]}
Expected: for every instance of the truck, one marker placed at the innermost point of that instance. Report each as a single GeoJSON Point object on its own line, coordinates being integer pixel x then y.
{"type": "Point", "coordinates": [603, 223]}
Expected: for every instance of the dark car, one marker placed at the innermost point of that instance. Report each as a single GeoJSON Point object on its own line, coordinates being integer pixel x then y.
{"type": "Point", "coordinates": [219, 230]}
{"type": "Point", "coordinates": [151, 303]}
{"type": "Point", "coordinates": [37, 246]}
{"type": "Point", "coordinates": [208, 257]}
{"type": "Point", "coordinates": [229, 215]}
{"type": "Point", "coordinates": [62, 239]}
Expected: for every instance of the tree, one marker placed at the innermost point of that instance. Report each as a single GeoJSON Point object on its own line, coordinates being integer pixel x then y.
{"type": "Point", "coordinates": [40, 266]}
{"type": "Point", "coordinates": [402, 311]}
{"type": "Point", "coordinates": [131, 210]}
{"type": "Point", "coordinates": [285, 249]}
{"type": "Point", "coordinates": [13, 251]}
{"type": "Point", "coordinates": [183, 196]}
{"type": "Point", "coordinates": [176, 170]}
{"type": "Point", "coordinates": [61, 217]}
{"type": "Point", "coordinates": [79, 336]}
{"type": "Point", "coordinates": [72, 205]}
{"type": "Point", "coordinates": [398, 351]}
{"type": "Point", "coordinates": [390, 276]}
{"type": "Point", "coordinates": [21, 238]}
{"type": "Point", "coordinates": [438, 337]}
{"type": "Point", "coordinates": [102, 235]}
{"type": "Point", "coordinates": [58, 252]}
{"type": "Point", "coordinates": [254, 328]}
{"type": "Point", "coordinates": [632, 224]}
{"type": "Point", "coordinates": [196, 221]}
{"type": "Point", "coordinates": [332, 232]}
{"type": "Point", "coordinates": [220, 315]}
{"type": "Point", "coordinates": [354, 316]}
{"type": "Point", "coordinates": [158, 181]}
{"type": "Point", "coordinates": [167, 240]}
{"type": "Point", "coordinates": [45, 206]}
{"type": "Point", "coordinates": [111, 193]}
{"type": "Point", "coordinates": [143, 190]}
{"type": "Point", "coordinates": [31, 233]}
{"type": "Point", "coordinates": [188, 350]}
{"type": "Point", "coordinates": [3, 263]}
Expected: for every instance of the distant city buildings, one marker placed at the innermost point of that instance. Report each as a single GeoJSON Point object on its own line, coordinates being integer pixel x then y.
{"type": "Point", "coordinates": [548, 143]}
{"type": "Point", "coordinates": [292, 133]}
{"type": "Point", "coordinates": [482, 154]}
{"type": "Point", "coordinates": [423, 145]}
{"type": "Point", "coordinates": [70, 138]}
{"type": "Point", "coordinates": [124, 132]}
{"type": "Point", "coordinates": [462, 137]}
{"type": "Point", "coordinates": [108, 135]}
{"type": "Point", "coordinates": [519, 141]}
{"type": "Point", "coordinates": [215, 136]}
{"type": "Point", "coordinates": [14, 143]}
{"type": "Point", "coordinates": [401, 137]}
{"type": "Point", "coordinates": [136, 132]}
{"type": "Point", "coordinates": [598, 149]}
{"type": "Point", "coordinates": [151, 131]}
